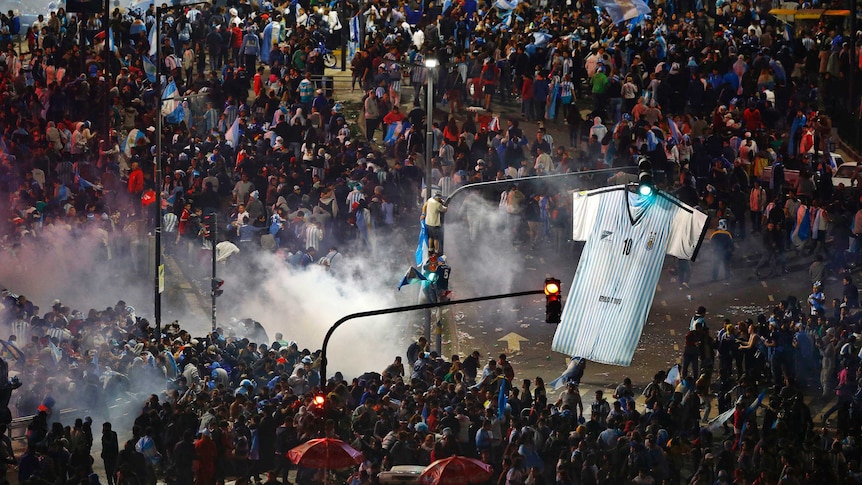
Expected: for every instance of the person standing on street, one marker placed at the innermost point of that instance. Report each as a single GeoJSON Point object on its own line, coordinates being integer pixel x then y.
{"type": "Point", "coordinates": [110, 452]}
{"type": "Point", "coordinates": [431, 214]}
{"type": "Point", "coordinates": [722, 245]}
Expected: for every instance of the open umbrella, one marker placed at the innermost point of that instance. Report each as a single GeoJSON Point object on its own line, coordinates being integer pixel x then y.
{"type": "Point", "coordinates": [456, 470]}
{"type": "Point", "coordinates": [325, 453]}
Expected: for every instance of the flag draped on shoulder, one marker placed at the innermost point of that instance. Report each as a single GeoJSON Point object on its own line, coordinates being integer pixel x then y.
{"type": "Point", "coordinates": [674, 130]}
{"type": "Point", "coordinates": [413, 275]}
{"type": "Point", "coordinates": [622, 10]}
{"type": "Point", "coordinates": [172, 106]}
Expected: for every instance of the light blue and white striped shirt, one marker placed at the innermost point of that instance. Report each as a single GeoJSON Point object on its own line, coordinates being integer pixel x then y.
{"type": "Point", "coordinates": [627, 236]}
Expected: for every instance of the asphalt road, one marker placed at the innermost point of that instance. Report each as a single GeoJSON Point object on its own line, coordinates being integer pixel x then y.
{"type": "Point", "coordinates": [485, 327]}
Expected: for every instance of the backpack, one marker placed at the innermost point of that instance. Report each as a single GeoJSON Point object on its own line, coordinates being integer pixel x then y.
{"type": "Point", "coordinates": [185, 34]}
{"type": "Point", "coordinates": [394, 70]}
{"type": "Point", "coordinates": [490, 74]}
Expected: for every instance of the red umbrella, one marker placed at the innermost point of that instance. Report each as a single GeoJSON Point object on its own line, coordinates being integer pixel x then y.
{"type": "Point", "coordinates": [456, 470]}
{"type": "Point", "coordinates": [325, 453]}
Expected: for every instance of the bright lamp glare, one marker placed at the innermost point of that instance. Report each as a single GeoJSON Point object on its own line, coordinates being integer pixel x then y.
{"type": "Point", "coordinates": [432, 63]}
{"type": "Point", "coordinates": [319, 400]}
{"type": "Point", "coordinates": [645, 190]}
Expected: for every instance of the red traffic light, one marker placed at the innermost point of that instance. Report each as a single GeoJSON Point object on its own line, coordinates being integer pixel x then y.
{"type": "Point", "coordinates": [553, 300]}
{"type": "Point", "coordinates": [216, 286]}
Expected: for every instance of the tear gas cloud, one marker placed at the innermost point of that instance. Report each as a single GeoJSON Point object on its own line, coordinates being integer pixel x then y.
{"type": "Point", "coordinates": [86, 268]}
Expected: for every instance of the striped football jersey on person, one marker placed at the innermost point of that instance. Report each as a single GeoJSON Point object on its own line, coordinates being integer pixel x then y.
{"type": "Point", "coordinates": [627, 236]}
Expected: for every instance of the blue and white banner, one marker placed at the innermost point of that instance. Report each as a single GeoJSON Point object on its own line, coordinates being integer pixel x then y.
{"type": "Point", "coordinates": [172, 106]}
{"type": "Point", "coordinates": [355, 38]}
{"type": "Point", "coordinates": [622, 10]}
{"type": "Point", "coordinates": [447, 4]}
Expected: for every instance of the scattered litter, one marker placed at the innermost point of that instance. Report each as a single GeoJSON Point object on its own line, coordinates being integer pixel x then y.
{"type": "Point", "coordinates": [459, 316]}
{"type": "Point", "coordinates": [540, 343]}
{"type": "Point", "coordinates": [462, 335]}
{"type": "Point", "coordinates": [498, 329]}
{"type": "Point", "coordinates": [530, 269]}
{"type": "Point", "coordinates": [650, 323]}
{"type": "Point", "coordinates": [525, 325]}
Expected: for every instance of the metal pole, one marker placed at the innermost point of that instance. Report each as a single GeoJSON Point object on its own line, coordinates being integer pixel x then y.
{"type": "Point", "coordinates": [429, 171]}
{"type": "Point", "coordinates": [158, 232]}
{"type": "Point", "coordinates": [344, 30]}
{"type": "Point", "coordinates": [212, 289]}
{"type": "Point", "coordinates": [402, 309]}
{"type": "Point", "coordinates": [429, 131]}
{"type": "Point", "coordinates": [851, 91]}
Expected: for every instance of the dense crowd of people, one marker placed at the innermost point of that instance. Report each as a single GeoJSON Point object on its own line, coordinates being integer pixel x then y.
{"type": "Point", "coordinates": [711, 94]}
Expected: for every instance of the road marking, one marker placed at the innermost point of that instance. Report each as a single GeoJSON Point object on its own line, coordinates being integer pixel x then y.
{"type": "Point", "coordinates": [763, 283]}
{"type": "Point", "coordinates": [513, 341]}
{"type": "Point", "coordinates": [668, 318]}
{"type": "Point", "coordinates": [664, 303]}
{"type": "Point", "coordinates": [771, 298]}
{"type": "Point", "coordinates": [658, 288]}
{"type": "Point", "coordinates": [672, 331]}
{"type": "Point", "coordinates": [676, 347]}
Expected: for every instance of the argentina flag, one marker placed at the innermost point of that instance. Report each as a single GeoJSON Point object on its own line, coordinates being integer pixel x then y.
{"type": "Point", "coordinates": [153, 39]}
{"type": "Point", "coordinates": [149, 69]}
{"type": "Point", "coordinates": [172, 106]}
{"type": "Point", "coordinates": [622, 10]}
{"type": "Point", "coordinates": [232, 135]}
{"type": "Point", "coordinates": [507, 4]}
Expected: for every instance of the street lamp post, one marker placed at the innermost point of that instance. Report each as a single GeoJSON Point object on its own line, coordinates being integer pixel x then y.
{"type": "Point", "coordinates": [430, 65]}
{"type": "Point", "coordinates": [157, 290]}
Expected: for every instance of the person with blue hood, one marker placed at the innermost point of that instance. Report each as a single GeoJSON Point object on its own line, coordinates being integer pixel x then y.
{"type": "Point", "coordinates": [796, 132]}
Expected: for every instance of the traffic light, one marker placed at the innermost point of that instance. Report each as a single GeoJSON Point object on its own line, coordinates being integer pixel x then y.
{"type": "Point", "coordinates": [553, 301]}
{"type": "Point", "coordinates": [216, 286]}
{"type": "Point", "coordinates": [210, 226]}
{"type": "Point", "coordinates": [645, 183]}
{"type": "Point", "coordinates": [318, 405]}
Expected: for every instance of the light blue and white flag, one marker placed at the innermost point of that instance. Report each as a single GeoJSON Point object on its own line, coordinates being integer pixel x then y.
{"type": "Point", "coordinates": [172, 106]}
{"type": "Point", "coordinates": [154, 39]}
{"type": "Point", "coordinates": [622, 10]}
{"type": "Point", "coordinates": [149, 69]}
{"type": "Point", "coordinates": [111, 46]}
{"type": "Point", "coordinates": [507, 4]}
{"type": "Point", "coordinates": [674, 130]}
{"type": "Point", "coordinates": [422, 247]}
{"type": "Point", "coordinates": [232, 135]}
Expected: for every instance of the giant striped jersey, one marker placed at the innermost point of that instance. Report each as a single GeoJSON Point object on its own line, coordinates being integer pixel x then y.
{"type": "Point", "coordinates": [627, 236]}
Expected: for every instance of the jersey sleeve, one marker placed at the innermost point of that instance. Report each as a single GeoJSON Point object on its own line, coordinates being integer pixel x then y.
{"type": "Point", "coordinates": [686, 233]}
{"type": "Point", "coordinates": [585, 208]}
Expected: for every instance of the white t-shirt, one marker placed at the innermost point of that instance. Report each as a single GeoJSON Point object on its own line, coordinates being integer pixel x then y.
{"type": "Point", "coordinates": [627, 237]}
